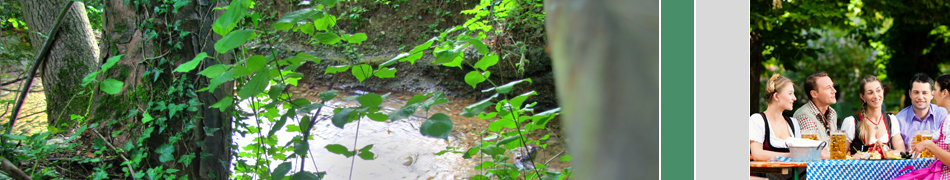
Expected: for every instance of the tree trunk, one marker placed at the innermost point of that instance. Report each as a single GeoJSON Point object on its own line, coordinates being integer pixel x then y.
{"type": "Point", "coordinates": [72, 56]}
{"type": "Point", "coordinates": [126, 30]}
{"type": "Point", "coordinates": [755, 68]}
{"type": "Point", "coordinates": [605, 60]}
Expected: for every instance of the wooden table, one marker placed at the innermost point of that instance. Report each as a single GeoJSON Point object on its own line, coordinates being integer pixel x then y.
{"type": "Point", "coordinates": [776, 167]}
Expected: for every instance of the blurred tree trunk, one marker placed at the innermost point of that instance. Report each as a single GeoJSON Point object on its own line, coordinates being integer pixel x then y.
{"type": "Point", "coordinates": [755, 68]}
{"type": "Point", "coordinates": [606, 65]}
{"type": "Point", "coordinates": [126, 31]}
{"type": "Point", "coordinates": [72, 56]}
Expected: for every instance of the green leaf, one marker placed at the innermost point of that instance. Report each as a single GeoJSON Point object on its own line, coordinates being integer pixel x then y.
{"type": "Point", "coordinates": [437, 126]}
{"type": "Point", "coordinates": [277, 125]}
{"type": "Point", "coordinates": [474, 109]}
{"type": "Point", "coordinates": [276, 90]}
{"type": "Point", "coordinates": [223, 104]}
{"type": "Point", "coordinates": [502, 123]}
{"type": "Point", "coordinates": [509, 139]}
{"type": "Point", "coordinates": [471, 151]}
{"type": "Point", "coordinates": [166, 151]}
{"type": "Point", "coordinates": [493, 150]}
{"type": "Point", "coordinates": [370, 100]}
{"type": "Point", "coordinates": [437, 98]}
{"type": "Point", "coordinates": [256, 62]}
{"type": "Point", "coordinates": [366, 148]}
{"type": "Point", "coordinates": [179, 4]}
{"type": "Point", "coordinates": [304, 175]}
{"type": "Point", "coordinates": [291, 19]}
{"type": "Point", "coordinates": [457, 62]}
{"type": "Point", "coordinates": [565, 158]}
{"type": "Point", "coordinates": [241, 71]}
{"type": "Point", "coordinates": [507, 87]}
{"type": "Point", "coordinates": [281, 171]}
{"type": "Point", "coordinates": [110, 62]}
{"type": "Point", "coordinates": [235, 13]}
{"type": "Point", "coordinates": [301, 57]}
{"type": "Point", "coordinates": [367, 155]}
{"type": "Point", "coordinates": [342, 117]}
{"type": "Point", "coordinates": [146, 117]}
{"type": "Point", "coordinates": [327, 38]}
{"type": "Point", "coordinates": [335, 69]}
{"type": "Point", "coordinates": [220, 79]}
{"type": "Point", "coordinates": [362, 71]}
{"type": "Point", "coordinates": [479, 177]}
{"type": "Point", "coordinates": [89, 78]}
{"type": "Point", "coordinates": [233, 40]}
{"type": "Point", "coordinates": [214, 70]}
{"type": "Point", "coordinates": [516, 101]}
{"type": "Point", "coordinates": [385, 72]}
{"type": "Point", "coordinates": [14, 137]}
{"type": "Point", "coordinates": [339, 149]}
{"type": "Point", "coordinates": [487, 116]}
{"type": "Point", "coordinates": [307, 28]}
{"type": "Point", "coordinates": [327, 95]}
{"type": "Point", "coordinates": [446, 55]}
{"type": "Point", "coordinates": [188, 66]}
{"type": "Point", "coordinates": [487, 61]}
{"type": "Point", "coordinates": [111, 86]}
{"type": "Point", "coordinates": [378, 116]}
{"type": "Point", "coordinates": [404, 112]}
{"type": "Point", "coordinates": [256, 85]}
{"type": "Point", "coordinates": [473, 78]}
{"type": "Point", "coordinates": [416, 99]}
{"type": "Point", "coordinates": [301, 147]}
{"type": "Point", "coordinates": [329, 2]}
{"type": "Point", "coordinates": [357, 38]}
{"type": "Point", "coordinates": [481, 47]}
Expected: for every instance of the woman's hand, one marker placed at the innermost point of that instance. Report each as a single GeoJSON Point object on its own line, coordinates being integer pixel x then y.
{"type": "Point", "coordinates": [921, 146]}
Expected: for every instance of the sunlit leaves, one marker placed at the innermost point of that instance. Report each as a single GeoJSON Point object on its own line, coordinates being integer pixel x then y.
{"type": "Point", "coordinates": [385, 72]}
{"type": "Point", "coordinates": [357, 38]}
{"type": "Point", "coordinates": [327, 38]}
{"type": "Point", "coordinates": [228, 21]}
{"type": "Point", "coordinates": [362, 71]}
{"type": "Point", "coordinates": [290, 19]}
{"type": "Point", "coordinates": [146, 117]}
{"type": "Point", "coordinates": [256, 62]}
{"type": "Point", "coordinates": [437, 126]}
{"type": "Point", "coordinates": [233, 40]}
{"type": "Point", "coordinates": [487, 61]}
{"type": "Point", "coordinates": [111, 86]}
{"type": "Point", "coordinates": [481, 47]}
{"type": "Point", "coordinates": [188, 66]}
{"type": "Point", "coordinates": [214, 70]}
{"type": "Point", "coordinates": [473, 109]}
{"type": "Point", "coordinates": [447, 55]}
{"type": "Point", "coordinates": [327, 95]}
{"type": "Point", "coordinates": [336, 69]}
{"type": "Point", "coordinates": [110, 62]}
{"type": "Point", "coordinates": [473, 78]}
{"type": "Point", "coordinates": [220, 79]}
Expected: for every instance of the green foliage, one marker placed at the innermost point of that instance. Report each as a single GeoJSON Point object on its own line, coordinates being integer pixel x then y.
{"type": "Point", "coordinates": [437, 126]}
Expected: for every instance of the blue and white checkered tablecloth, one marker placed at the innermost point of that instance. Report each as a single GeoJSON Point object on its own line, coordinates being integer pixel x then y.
{"type": "Point", "coordinates": [860, 169]}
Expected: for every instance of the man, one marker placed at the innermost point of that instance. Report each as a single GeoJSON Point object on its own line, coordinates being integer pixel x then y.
{"type": "Point", "coordinates": [818, 115]}
{"type": "Point", "coordinates": [921, 114]}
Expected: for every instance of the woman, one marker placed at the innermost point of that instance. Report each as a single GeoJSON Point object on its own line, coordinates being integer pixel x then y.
{"type": "Point", "coordinates": [871, 126]}
{"type": "Point", "coordinates": [768, 130]}
{"type": "Point", "coordinates": [938, 147]}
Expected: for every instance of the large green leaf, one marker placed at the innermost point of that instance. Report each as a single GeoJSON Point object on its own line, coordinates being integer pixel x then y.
{"type": "Point", "coordinates": [111, 62]}
{"type": "Point", "coordinates": [336, 69]}
{"type": "Point", "coordinates": [111, 86]}
{"type": "Point", "coordinates": [328, 38]}
{"type": "Point", "coordinates": [307, 28]}
{"type": "Point", "coordinates": [165, 151]}
{"type": "Point", "coordinates": [90, 78]}
{"type": "Point", "coordinates": [281, 171]}
{"type": "Point", "coordinates": [473, 78]}
{"type": "Point", "coordinates": [493, 150]}
{"type": "Point", "coordinates": [235, 13]}
{"type": "Point", "coordinates": [327, 95]}
{"type": "Point", "coordinates": [446, 55]}
{"type": "Point", "coordinates": [518, 100]}
{"type": "Point", "coordinates": [304, 175]}
{"type": "Point", "coordinates": [256, 85]}
{"type": "Point", "coordinates": [277, 125]}
{"type": "Point", "coordinates": [291, 19]}
{"type": "Point", "coordinates": [436, 99]}
{"type": "Point", "coordinates": [301, 147]}
{"type": "Point", "coordinates": [340, 118]}
{"type": "Point", "coordinates": [507, 87]}
{"type": "Point", "coordinates": [220, 79]}
{"type": "Point", "coordinates": [437, 126]}
{"type": "Point", "coordinates": [367, 155]}
{"type": "Point", "coordinates": [301, 57]}
{"type": "Point", "coordinates": [471, 151]}
{"type": "Point", "coordinates": [487, 61]}
{"type": "Point", "coordinates": [497, 125]}
{"type": "Point", "coordinates": [339, 149]}
{"type": "Point", "coordinates": [223, 104]}
{"type": "Point", "coordinates": [214, 70]}
{"type": "Point", "coordinates": [357, 38]}
{"type": "Point", "coordinates": [256, 62]}
{"type": "Point", "coordinates": [474, 109]}
{"type": "Point", "coordinates": [370, 100]}
{"type": "Point", "coordinates": [362, 71]}
{"type": "Point", "coordinates": [479, 177]}
{"type": "Point", "coordinates": [188, 66]}
{"type": "Point", "coordinates": [233, 40]}
{"type": "Point", "coordinates": [404, 112]}
{"type": "Point", "coordinates": [385, 72]}
{"type": "Point", "coordinates": [481, 47]}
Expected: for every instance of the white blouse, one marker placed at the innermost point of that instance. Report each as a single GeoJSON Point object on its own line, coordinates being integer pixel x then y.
{"type": "Point", "coordinates": [757, 131]}
{"type": "Point", "coordinates": [849, 127]}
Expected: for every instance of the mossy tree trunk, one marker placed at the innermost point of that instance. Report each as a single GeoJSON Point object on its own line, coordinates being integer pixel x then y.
{"type": "Point", "coordinates": [72, 56]}
{"type": "Point", "coordinates": [128, 31]}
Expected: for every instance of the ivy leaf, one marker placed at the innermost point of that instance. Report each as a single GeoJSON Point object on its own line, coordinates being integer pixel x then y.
{"type": "Point", "coordinates": [385, 72]}
{"type": "Point", "coordinates": [487, 61]}
{"type": "Point", "coordinates": [214, 70]}
{"type": "Point", "coordinates": [233, 40]}
{"type": "Point", "coordinates": [327, 95]}
{"type": "Point", "coordinates": [111, 86]}
{"type": "Point", "coordinates": [186, 159]}
{"type": "Point", "coordinates": [165, 151]}
{"type": "Point", "coordinates": [437, 126]}
{"type": "Point", "coordinates": [179, 4]}
{"type": "Point", "coordinates": [340, 118]}
{"type": "Point", "coordinates": [481, 47]}
{"type": "Point", "coordinates": [256, 85]}
{"type": "Point", "coordinates": [146, 117]}
{"type": "Point", "coordinates": [256, 62]}
{"type": "Point", "coordinates": [280, 171]}
{"type": "Point", "coordinates": [335, 69]}
{"type": "Point", "coordinates": [339, 149]}
{"type": "Point", "coordinates": [474, 109]}
{"type": "Point", "coordinates": [357, 38]}
{"type": "Point", "coordinates": [473, 78]}
{"type": "Point", "coordinates": [327, 38]}
{"type": "Point", "coordinates": [362, 71]}
{"type": "Point", "coordinates": [188, 66]}
{"type": "Point", "coordinates": [370, 100]}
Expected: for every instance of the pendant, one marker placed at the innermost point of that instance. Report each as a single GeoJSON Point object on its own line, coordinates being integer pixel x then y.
{"type": "Point", "coordinates": [875, 127]}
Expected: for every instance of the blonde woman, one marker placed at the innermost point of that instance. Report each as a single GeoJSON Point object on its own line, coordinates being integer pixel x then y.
{"type": "Point", "coordinates": [872, 126]}
{"type": "Point", "coordinates": [769, 130]}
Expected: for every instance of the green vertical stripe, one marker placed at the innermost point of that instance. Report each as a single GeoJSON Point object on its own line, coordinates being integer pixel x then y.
{"type": "Point", "coordinates": [677, 89]}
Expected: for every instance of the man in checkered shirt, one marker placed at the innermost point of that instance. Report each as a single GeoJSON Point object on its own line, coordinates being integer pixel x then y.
{"type": "Point", "coordinates": [817, 114]}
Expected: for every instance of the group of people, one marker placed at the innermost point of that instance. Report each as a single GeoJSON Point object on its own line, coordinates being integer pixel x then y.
{"type": "Point", "coordinates": [768, 130]}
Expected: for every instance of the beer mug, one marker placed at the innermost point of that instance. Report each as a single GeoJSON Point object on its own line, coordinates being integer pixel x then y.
{"type": "Point", "coordinates": [810, 134]}
{"type": "Point", "coordinates": [926, 135]}
{"type": "Point", "coordinates": [839, 142]}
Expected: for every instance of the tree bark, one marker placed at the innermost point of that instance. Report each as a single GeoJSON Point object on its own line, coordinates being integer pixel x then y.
{"type": "Point", "coordinates": [73, 55]}
{"type": "Point", "coordinates": [755, 69]}
{"type": "Point", "coordinates": [125, 34]}
{"type": "Point", "coordinates": [606, 65]}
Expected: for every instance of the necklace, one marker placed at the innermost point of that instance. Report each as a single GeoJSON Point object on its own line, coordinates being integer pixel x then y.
{"type": "Point", "coordinates": [875, 123]}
